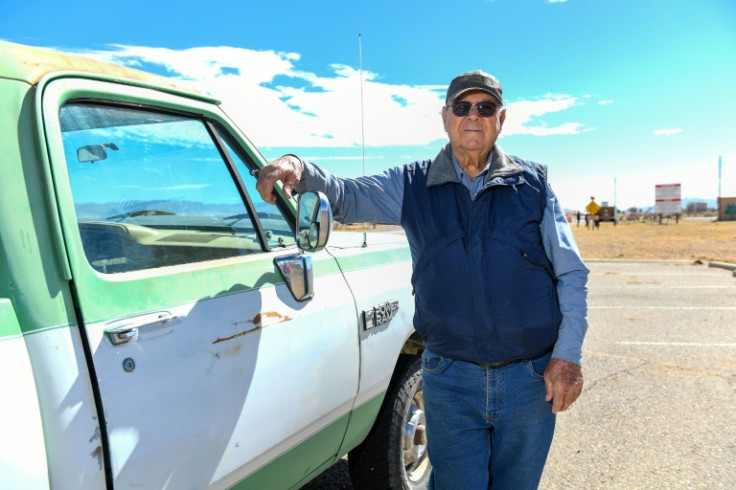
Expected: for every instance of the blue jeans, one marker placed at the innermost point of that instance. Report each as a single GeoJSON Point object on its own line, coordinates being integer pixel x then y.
{"type": "Point", "coordinates": [486, 427]}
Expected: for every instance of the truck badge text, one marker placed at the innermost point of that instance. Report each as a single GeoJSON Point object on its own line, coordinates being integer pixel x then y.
{"type": "Point", "coordinates": [380, 313]}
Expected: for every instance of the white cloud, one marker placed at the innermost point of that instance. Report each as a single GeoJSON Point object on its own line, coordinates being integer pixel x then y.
{"type": "Point", "coordinates": [605, 102]}
{"type": "Point", "coordinates": [522, 116]}
{"type": "Point", "coordinates": [276, 104]}
{"type": "Point", "coordinates": [667, 132]}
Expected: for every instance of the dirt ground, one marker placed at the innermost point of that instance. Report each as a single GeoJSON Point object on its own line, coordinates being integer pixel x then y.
{"type": "Point", "coordinates": [690, 239]}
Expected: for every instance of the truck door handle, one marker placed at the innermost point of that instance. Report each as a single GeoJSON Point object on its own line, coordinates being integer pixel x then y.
{"type": "Point", "coordinates": [121, 335]}
{"type": "Point", "coordinates": [124, 331]}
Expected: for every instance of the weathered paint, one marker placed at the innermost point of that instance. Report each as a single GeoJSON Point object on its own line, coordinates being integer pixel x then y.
{"type": "Point", "coordinates": [220, 407]}
{"type": "Point", "coordinates": [371, 285]}
{"type": "Point", "coordinates": [22, 451]}
{"type": "Point", "coordinates": [28, 258]}
{"type": "Point", "coordinates": [70, 426]}
{"type": "Point", "coordinates": [298, 463]}
{"type": "Point", "coordinates": [9, 327]}
{"type": "Point", "coordinates": [213, 385]}
{"type": "Point", "coordinates": [165, 285]}
{"type": "Point", "coordinates": [30, 64]}
{"type": "Point", "coordinates": [285, 470]}
{"type": "Point", "coordinates": [34, 251]}
{"type": "Point", "coordinates": [361, 422]}
{"type": "Point", "coordinates": [242, 375]}
{"type": "Point", "coordinates": [41, 301]}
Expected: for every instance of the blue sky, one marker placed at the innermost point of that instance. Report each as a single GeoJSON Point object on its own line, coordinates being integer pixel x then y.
{"type": "Point", "coordinates": [615, 96]}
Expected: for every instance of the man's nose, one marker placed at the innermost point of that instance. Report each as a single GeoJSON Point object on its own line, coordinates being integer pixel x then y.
{"type": "Point", "coordinates": [474, 111]}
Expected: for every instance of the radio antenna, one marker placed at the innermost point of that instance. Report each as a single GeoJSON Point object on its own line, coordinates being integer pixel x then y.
{"type": "Point", "coordinates": [362, 122]}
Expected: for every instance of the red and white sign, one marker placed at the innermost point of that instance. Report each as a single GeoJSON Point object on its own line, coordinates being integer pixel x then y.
{"type": "Point", "coordinates": [667, 198]}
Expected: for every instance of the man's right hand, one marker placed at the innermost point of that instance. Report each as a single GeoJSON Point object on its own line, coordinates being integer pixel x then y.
{"type": "Point", "coordinates": [287, 169]}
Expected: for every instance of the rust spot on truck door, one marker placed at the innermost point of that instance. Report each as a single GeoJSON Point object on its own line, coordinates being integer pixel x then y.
{"type": "Point", "coordinates": [261, 321]}
{"type": "Point", "coordinates": [97, 454]}
{"type": "Point", "coordinates": [269, 318]}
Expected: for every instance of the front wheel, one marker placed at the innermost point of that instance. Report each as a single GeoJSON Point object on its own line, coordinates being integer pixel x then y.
{"type": "Point", "coordinates": [394, 455]}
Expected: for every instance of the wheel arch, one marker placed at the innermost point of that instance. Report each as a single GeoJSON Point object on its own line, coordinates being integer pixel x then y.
{"type": "Point", "coordinates": [412, 346]}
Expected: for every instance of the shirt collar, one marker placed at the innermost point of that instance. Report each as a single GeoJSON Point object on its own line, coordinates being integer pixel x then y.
{"type": "Point", "coordinates": [442, 170]}
{"type": "Point", "coordinates": [461, 173]}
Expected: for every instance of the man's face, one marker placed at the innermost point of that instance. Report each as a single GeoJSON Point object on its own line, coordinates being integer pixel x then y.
{"type": "Point", "coordinates": [473, 133]}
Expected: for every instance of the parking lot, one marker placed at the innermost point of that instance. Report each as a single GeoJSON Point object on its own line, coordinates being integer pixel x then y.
{"type": "Point", "coordinates": [659, 405]}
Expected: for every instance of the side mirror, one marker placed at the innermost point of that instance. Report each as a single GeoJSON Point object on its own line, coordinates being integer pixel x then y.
{"type": "Point", "coordinates": [314, 221]}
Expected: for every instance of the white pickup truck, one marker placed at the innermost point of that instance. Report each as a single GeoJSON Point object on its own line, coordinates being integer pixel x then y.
{"type": "Point", "coordinates": [160, 325]}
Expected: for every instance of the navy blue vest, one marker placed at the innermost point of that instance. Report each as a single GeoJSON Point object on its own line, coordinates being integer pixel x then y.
{"type": "Point", "coordinates": [484, 288]}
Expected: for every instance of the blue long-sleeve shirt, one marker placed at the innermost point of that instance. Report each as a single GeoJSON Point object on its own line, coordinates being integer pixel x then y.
{"type": "Point", "coordinates": [378, 199]}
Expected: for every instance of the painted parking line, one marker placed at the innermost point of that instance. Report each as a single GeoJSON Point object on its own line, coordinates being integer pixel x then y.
{"type": "Point", "coordinates": [662, 286]}
{"type": "Point", "coordinates": [657, 274]}
{"type": "Point", "coordinates": [624, 307]}
{"type": "Point", "coordinates": [683, 344]}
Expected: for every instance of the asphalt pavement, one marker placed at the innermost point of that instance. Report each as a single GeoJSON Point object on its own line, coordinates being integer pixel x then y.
{"type": "Point", "coordinates": [659, 405]}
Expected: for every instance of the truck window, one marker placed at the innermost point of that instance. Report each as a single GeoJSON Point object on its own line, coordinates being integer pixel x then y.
{"type": "Point", "coordinates": [151, 189]}
{"type": "Point", "coordinates": [277, 230]}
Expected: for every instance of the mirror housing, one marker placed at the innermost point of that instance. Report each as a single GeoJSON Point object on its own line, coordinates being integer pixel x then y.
{"type": "Point", "coordinates": [298, 276]}
{"type": "Point", "coordinates": [314, 221]}
{"type": "Point", "coordinates": [313, 224]}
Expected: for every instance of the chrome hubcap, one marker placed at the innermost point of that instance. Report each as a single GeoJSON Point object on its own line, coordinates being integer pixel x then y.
{"type": "Point", "coordinates": [416, 461]}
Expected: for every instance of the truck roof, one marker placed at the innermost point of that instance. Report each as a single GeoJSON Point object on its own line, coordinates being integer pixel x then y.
{"type": "Point", "coordinates": [30, 64]}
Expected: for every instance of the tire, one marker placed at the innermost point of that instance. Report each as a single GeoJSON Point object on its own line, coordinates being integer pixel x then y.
{"type": "Point", "coordinates": [394, 455]}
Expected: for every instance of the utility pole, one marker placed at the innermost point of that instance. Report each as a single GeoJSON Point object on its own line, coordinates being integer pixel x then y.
{"type": "Point", "coordinates": [615, 205]}
{"type": "Point", "coordinates": [718, 201]}
{"type": "Point", "coordinates": [614, 193]}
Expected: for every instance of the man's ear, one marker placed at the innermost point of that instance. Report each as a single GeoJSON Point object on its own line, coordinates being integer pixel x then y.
{"type": "Point", "coordinates": [444, 117]}
{"type": "Point", "coordinates": [501, 119]}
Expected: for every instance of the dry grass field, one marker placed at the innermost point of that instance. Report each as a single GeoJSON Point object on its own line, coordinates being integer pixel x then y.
{"type": "Point", "coordinates": [690, 239]}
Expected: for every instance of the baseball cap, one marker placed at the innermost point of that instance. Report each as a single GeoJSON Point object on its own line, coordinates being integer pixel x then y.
{"type": "Point", "coordinates": [474, 80]}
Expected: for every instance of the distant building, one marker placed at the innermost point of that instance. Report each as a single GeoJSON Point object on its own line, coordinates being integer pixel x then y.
{"type": "Point", "coordinates": [727, 209]}
{"type": "Point", "coordinates": [697, 207]}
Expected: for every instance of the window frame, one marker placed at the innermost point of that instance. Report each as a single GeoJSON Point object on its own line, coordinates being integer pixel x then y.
{"type": "Point", "coordinates": [65, 89]}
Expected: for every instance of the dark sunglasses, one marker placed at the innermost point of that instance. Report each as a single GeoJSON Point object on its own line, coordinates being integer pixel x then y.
{"type": "Point", "coordinates": [485, 109]}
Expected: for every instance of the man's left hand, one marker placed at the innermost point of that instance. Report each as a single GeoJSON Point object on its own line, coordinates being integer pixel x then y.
{"type": "Point", "coordinates": [564, 383]}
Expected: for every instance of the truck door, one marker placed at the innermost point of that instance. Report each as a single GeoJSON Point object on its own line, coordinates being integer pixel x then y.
{"type": "Point", "coordinates": [208, 370]}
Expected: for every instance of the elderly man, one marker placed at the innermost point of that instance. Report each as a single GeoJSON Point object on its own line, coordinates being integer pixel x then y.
{"type": "Point", "coordinates": [500, 288]}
